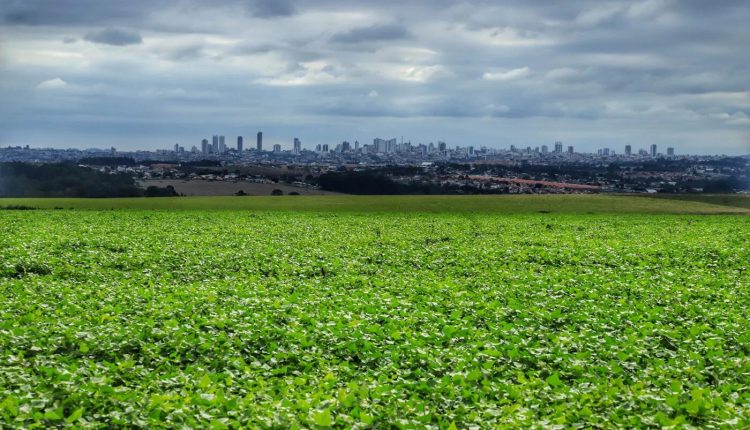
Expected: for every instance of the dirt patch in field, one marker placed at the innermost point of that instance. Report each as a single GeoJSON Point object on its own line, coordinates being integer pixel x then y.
{"type": "Point", "coordinates": [228, 188]}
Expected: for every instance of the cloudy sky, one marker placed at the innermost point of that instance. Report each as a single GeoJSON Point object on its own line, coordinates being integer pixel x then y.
{"type": "Point", "coordinates": [151, 73]}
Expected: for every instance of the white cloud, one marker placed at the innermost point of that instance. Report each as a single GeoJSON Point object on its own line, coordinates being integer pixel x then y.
{"type": "Point", "coordinates": [737, 118]}
{"type": "Point", "coordinates": [312, 73]}
{"type": "Point", "coordinates": [417, 73]}
{"type": "Point", "coordinates": [52, 84]}
{"type": "Point", "coordinates": [509, 75]}
{"type": "Point", "coordinates": [636, 11]}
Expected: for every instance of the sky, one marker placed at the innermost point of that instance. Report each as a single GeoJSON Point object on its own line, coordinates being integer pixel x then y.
{"type": "Point", "coordinates": [146, 74]}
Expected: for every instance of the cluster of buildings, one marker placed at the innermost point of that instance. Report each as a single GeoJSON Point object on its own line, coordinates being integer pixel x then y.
{"type": "Point", "coordinates": [556, 168]}
{"type": "Point", "coordinates": [399, 152]}
{"type": "Point", "coordinates": [218, 145]}
{"type": "Point", "coordinates": [380, 151]}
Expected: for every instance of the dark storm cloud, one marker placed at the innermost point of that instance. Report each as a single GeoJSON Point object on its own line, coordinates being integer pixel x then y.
{"type": "Point", "coordinates": [114, 36]}
{"type": "Point", "coordinates": [372, 34]}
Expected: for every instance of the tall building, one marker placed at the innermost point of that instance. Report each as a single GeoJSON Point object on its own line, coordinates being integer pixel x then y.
{"type": "Point", "coordinates": [442, 147]}
{"type": "Point", "coordinates": [325, 147]}
{"type": "Point", "coordinates": [259, 141]}
{"type": "Point", "coordinates": [239, 143]}
{"type": "Point", "coordinates": [356, 145]}
{"type": "Point", "coordinates": [558, 147]}
{"type": "Point", "coordinates": [176, 147]}
{"type": "Point", "coordinates": [653, 150]}
{"type": "Point", "coordinates": [545, 149]}
{"type": "Point", "coordinates": [277, 148]}
{"type": "Point", "coordinates": [381, 145]}
{"type": "Point", "coordinates": [628, 150]}
{"type": "Point", "coordinates": [670, 152]}
{"type": "Point", "coordinates": [345, 146]}
{"type": "Point", "coordinates": [222, 144]}
{"type": "Point", "coordinates": [215, 144]}
{"type": "Point", "coordinates": [570, 149]}
{"type": "Point", "coordinates": [297, 146]}
{"type": "Point", "coordinates": [204, 146]}
{"type": "Point", "coordinates": [390, 145]}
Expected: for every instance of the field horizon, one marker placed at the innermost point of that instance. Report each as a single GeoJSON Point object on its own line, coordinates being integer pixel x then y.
{"type": "Point", "coordinates": [498, 204]}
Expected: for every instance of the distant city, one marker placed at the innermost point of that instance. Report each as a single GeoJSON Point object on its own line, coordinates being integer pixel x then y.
{"type": "Point", "coordinates": [406, 150]}
{"type": "Point", "coordinates": [395, 166]}
{"type": "Point", "coordinates": [389, 151]}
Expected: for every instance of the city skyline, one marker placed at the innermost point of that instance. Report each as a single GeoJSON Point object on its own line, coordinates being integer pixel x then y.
{"type": "Point", "coordinates": [388, 146]}
{"type": "Point", "coordinates": [472, 73]}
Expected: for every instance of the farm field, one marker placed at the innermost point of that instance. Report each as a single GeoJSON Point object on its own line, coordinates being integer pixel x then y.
{"type": "Point", "coordinates": [738, 200]}
{"type": "Point", "coordinates": [333, 316]}
{"type": "Point", "coordinates": [489, 204]}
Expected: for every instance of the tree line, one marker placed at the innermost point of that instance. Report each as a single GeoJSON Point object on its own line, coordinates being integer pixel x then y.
{"type": "Point", "coordinates": [67, 180]}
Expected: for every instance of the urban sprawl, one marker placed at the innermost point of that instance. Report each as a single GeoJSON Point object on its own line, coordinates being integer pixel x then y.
{"type": "Point", "coordinates": [417, 168]}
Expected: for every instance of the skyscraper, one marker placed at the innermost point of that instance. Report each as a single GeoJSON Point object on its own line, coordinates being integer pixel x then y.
{"type": "Point", "coordinates": [222, 144]}
{"type": "Point", "coordinates": [215, 144]}
{"type": "Point", "coordinates": [545, 149]}
{"type": "Point", "coordinates": [277, 148]}
{"type": "Point", "coordinates": [204, 146]}
{"type": "Point", "coordinates": [239, 143]}
{"type": "Point", "coordinates": [653, 150]}
{"type": "Point", "coordinates": [379, 145]}
{"type": "Point", "coordinates": [628, 150]}
{"type": "Point", "coordinates": [297, 146]}
{"type": "Point", "coordinates": [570, 149]}
{"type": "Point", "coordinates": [259, 142]}
{"type": "Point", "coordinates": [670, 152]}
{"type": "Point", "coordinates": [558, 147]}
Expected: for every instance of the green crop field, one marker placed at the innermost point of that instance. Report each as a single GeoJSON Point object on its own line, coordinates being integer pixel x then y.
{"type": "Point", "coordinates": [739, 200]}
{"type": "Point", "coordinates": [503, 204]}
{"type": "Point", "coordinates": [347, 312]}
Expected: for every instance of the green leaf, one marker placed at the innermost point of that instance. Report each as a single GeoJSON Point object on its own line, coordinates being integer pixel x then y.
{"type": "Point", "coordinates": [75, 415]}
{"type": "Point", "coordinates": [54, 414]}
{"type": "Point", "coordinates": [365, 418]}
{"type": "Point", "coordinates": [553, 380]}
{"type": "Point", "coordinates": [322, 418]}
